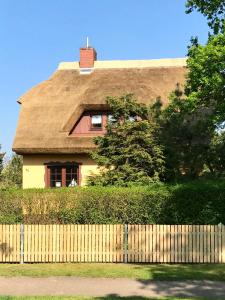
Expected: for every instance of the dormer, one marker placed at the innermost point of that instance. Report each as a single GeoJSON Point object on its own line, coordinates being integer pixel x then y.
{"type": "Point", "coordinates": [91, 123]}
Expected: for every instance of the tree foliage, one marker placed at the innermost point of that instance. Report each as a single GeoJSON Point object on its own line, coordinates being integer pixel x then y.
{"type": "Point", "coordinates": [186, 136]}
{"type": "Point", "coordinates": [213, 10]}
{"type": "Point", "coordinates": [190, 123]}
{"type": "Point", "coordinates": [1, 161]}
{"type": "Point", "coordinates": [205, 85]}
{"type": "Point", "coordinates": [12, 172]}
{"type": "Point", "coordinates": [216, 155]}
{"type": "Point", "coordinates": [129, 152]}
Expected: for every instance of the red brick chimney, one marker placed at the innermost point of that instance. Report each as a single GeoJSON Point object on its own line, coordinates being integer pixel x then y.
{"type": "Point", "coordinates": [87, 57]}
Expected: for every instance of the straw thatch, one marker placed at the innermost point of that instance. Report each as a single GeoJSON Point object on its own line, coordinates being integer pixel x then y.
{"type": "Point", "coordinates": [50, 110]}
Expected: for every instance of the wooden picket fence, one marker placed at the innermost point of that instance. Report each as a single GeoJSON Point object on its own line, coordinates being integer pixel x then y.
{"type": "Point", "coordinates": [113, 243]}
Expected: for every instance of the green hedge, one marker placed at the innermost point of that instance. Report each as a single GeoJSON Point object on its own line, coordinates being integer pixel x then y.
{"type": "Point", "coordinates": [197, 202]}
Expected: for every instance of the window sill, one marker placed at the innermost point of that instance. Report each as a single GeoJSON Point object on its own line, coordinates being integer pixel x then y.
{"type": "Point", "coordinates": [96, 129]}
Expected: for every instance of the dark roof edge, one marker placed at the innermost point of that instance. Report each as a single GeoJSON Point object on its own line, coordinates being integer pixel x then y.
{"type": "Point", "coordinates": [22, 151]}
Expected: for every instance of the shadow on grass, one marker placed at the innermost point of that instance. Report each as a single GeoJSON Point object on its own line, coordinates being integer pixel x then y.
{"type": "Point", "coordinates": [116, 297]}
{"type": "Point", "coordinates": [108, 297]}
{"type": "Point", "coordinates": [182, 272]}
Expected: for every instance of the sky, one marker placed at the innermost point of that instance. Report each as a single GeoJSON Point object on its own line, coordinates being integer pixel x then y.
{"type": "Point", "coordinates": [35, 35]}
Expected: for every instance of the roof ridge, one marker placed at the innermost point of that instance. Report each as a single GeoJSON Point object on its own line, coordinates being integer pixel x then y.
{"type": "Point", "coordinates": [121, 64]}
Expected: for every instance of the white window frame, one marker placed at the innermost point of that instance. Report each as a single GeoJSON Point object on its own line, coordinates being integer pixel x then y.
{"type": "Point", "coordinates": [96, 122]}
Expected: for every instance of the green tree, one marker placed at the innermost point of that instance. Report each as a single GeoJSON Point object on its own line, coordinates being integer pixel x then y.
{"type": "Point", "coordinates": [1, 162]}
{"type": "Point", "coordinates": [213, 10]}
{"type": "Point", "coordinates": [189, 124]}
{"type": "Point", "coordinates": [186, 135]}
{"type": "Point", "coordinates": [12, 172]}
{"type": "Point", "coordinates": [205, 85]}
{"type": "Point", "coordinates": [129, 151]}
{"type": "Point", "coordinates": [216, 155]}
{"type": "Point", "coordinates": [191, 120]}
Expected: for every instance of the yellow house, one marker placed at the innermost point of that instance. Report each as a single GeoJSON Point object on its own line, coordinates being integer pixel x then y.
{"type": "Point", "coordinates": [60, 116]}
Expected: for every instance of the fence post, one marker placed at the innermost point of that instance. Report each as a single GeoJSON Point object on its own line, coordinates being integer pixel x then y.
{"type": "Point", "coordinates": [21, 243]}
{"type": "Point", "coordinates": [223, 243]}
{"type": "Point", "coordinates": [125, 243]}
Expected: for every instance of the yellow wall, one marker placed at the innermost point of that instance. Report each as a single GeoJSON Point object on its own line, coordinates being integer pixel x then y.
{"type": "Point", "coordinates": [34, 169]}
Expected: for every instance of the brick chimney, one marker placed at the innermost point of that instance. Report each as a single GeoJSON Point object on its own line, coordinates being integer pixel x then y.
{"type": "Point", "coordinates": [87, 57]}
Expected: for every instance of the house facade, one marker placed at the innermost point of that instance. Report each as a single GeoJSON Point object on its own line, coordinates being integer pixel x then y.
{"type": "Point", "coordinates": [60, 117]}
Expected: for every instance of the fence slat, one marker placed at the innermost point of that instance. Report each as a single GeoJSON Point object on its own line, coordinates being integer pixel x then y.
{"type": "Point", "coordinates": [223, 243]}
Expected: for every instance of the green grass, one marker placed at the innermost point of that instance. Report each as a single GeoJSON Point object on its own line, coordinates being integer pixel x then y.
{"type": "Point", "coordinates": [136, 271]}
{"type": "Point", "coordinates": [91, 298]}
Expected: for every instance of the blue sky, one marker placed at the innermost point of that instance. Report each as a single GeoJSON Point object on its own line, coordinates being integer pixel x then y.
{"type": "Point", "coordinates": [35, 35]}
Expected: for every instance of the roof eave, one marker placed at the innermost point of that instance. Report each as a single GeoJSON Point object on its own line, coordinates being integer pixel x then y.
{"type": "Point", "coordinates": [22, 151]}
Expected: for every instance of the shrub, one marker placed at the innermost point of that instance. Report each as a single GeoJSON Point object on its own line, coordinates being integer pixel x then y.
{"type": "Point", "coordinates": [10, 206]}
{"type": "Point", "coordinates": [197, 202]}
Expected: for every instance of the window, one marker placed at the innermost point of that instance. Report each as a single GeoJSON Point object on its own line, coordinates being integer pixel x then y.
{"type": "Point", "coordinates": [71, 176]}
{"type": "Point", "coordinates": [111, 119]}
{"type": "Point", "coordinates": [96, 122]}
{"type": "Point", "coordinates": [62, 175]}
{"type": "Point", "coordinates": [55, 177]}
{"type": "Point", "coordinates": [132, 119]}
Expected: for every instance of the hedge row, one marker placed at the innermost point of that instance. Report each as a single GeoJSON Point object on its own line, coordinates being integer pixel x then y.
{"type": "Point", "coordinates": [199, 202]}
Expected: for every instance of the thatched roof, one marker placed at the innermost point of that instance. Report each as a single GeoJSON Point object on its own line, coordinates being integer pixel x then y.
{"type": "Point", "coordinates": [50, 109]}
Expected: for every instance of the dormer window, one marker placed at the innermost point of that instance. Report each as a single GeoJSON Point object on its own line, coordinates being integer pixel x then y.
{"type": "Point", "coordinates": [111, 119]}
{"type": "Point", "coordinates": [96, 122]}
{"type": "Point", "coordinates": [132, 119]}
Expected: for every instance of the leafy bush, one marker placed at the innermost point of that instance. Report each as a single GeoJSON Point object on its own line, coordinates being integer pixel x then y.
{"type": "Point", "coordinates": [11, 174]}
{"type": "Point", "coordinates": [10, 206]}
{"type": "Point", "coordinates": [197, 202]}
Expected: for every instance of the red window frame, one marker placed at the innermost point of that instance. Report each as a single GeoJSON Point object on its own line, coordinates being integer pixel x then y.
{"type": "Point", "coordinates": [63, 167]}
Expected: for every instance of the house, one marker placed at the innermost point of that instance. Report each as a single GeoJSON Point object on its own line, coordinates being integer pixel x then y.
{"type": "Point", "coordinates": [60, 116]}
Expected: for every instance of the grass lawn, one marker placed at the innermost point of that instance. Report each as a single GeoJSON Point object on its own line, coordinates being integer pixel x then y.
{"type": "Point", "coordinates": [137, 271]}
{"type": "Point", "coordinates": [97, 298]}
